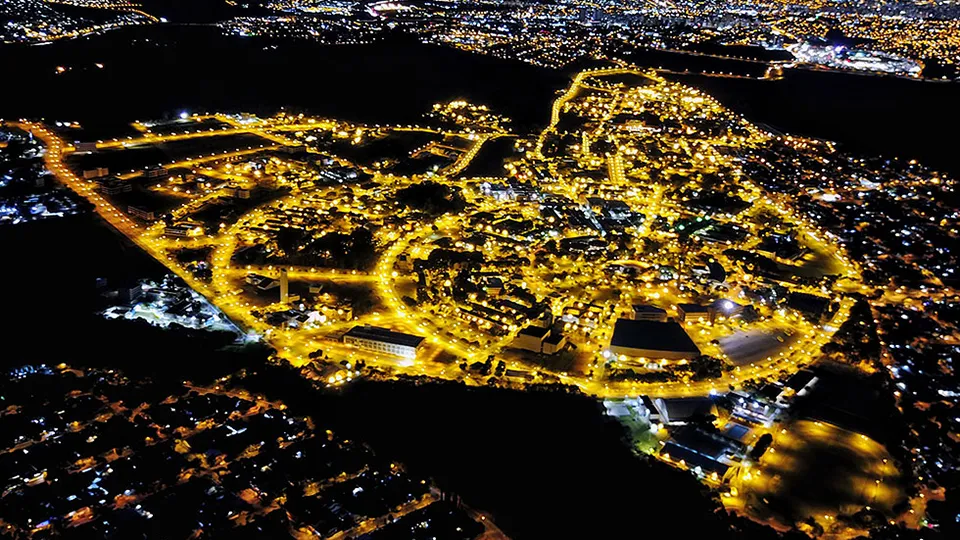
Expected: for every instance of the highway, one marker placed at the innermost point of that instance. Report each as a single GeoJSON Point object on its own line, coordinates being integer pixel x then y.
{"type": "Point", "coordinates": [116, 6]}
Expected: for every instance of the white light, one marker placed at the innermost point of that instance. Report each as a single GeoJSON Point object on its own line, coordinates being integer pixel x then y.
{"type": "Point", "coordinates": [184, 115]}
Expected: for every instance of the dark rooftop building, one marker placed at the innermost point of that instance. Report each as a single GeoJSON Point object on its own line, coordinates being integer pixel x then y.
{"type": "Point", "coordinates": [652, 339]}
{"type": "Point", "coordinates": [695, 312]}
{"type": "Point", "coordinates": [534, 331]}
{"type": "Point", "coordinates": [693, 460]}
{"type": "Point", "coordinates": [801, 379]}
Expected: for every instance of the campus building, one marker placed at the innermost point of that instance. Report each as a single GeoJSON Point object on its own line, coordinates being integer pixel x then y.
{"type": "Point", "coordinates": [383, 341]}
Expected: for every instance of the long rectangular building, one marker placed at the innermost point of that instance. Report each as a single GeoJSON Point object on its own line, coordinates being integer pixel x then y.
{"type": "Point", "coordinates": [383, 341]}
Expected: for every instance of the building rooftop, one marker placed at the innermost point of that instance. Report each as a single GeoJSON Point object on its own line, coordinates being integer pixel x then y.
{"type": "Point", "coordinates": [693, 308]}
{"type": "Point", "coordinates": [644, 308]}
{"type": "Point", "coordinates": [735, 431]}
{"type": "Point", "coordinates": [713, 447]}
{"type": "Point", "coordinates": [800, 379]}
{"type": "Point", "coordinates": [652, 335]}
{"type": "Point", "coordinates": [693, 459]}
{"type": "Point", "coordinates": [769, 392]}
{"type": "Point", "coordinates": [384, 335]}
{"type": "Point", "coordinates": [648, 403]}
{"type": "Point", "coordinates": [534, 331]}
{"type": "Point", "coordinates": [554, 339]}
{"type": "Point", "coordinates": [679, 409]}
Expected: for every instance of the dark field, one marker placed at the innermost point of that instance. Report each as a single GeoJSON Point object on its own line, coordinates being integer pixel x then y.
{"type": "Point", "coordinates": [865, 113]}
{"type": "Point", "coordinates": [159, 71]}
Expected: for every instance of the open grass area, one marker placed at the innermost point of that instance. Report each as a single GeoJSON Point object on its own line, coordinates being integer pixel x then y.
{"type": "Point", "coordinates": [817, 469]}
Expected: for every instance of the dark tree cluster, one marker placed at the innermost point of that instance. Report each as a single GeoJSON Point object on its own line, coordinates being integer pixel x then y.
{"type": "Point", "coordinates": [857, 338]}
{"type": "Point", "coordinates": [699, 368]}
{"type": "Point", "coordinates": [432, 198]}
{"type": "Point", "coordinates": [356, 250]}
